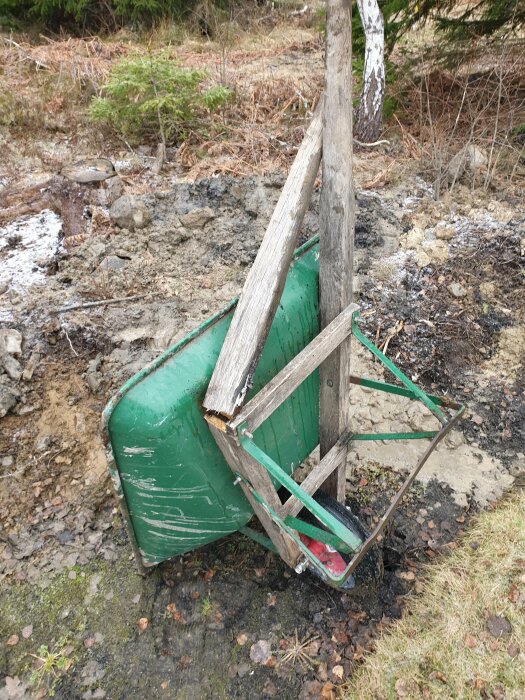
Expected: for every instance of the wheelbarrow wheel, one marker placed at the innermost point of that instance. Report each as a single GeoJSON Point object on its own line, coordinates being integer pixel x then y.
{"type": "Point", "coordinates": [370, 570]}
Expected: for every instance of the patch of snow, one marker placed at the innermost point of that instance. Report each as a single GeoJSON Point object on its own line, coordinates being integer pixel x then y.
{"type": "Point", "coordinates": [26, 246]}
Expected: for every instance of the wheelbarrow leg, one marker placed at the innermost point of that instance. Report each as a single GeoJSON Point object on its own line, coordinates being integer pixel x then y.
{"type": "Point", "coordinates": [241, 463]}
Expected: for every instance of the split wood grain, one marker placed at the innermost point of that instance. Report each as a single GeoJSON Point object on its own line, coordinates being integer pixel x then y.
{"type": "Point", "coordinates": [262, 291]}
{"type": "Point", "coordinates": [242, 463]}
{"type": "Point", "coordinates": [337, 223]}
{"type": "Point", "coordinates": [278, 389]}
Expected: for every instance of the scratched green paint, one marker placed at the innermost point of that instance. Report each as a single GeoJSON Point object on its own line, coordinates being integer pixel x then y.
{"type": "Point", "coordinates": [174, 482]}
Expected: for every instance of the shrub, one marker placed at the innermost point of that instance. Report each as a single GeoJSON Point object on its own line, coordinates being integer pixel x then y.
{"type": "Point", "coordinates": [152, 96]}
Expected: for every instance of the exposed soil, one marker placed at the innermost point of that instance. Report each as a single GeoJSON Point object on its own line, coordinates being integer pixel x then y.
{"type": "Point", "coordinates": [440, 285]}
{"type": "Point", "coordinates": [204, 612]}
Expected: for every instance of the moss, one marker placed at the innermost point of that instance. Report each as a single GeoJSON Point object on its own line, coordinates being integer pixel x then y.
{"type": "Point", "coordinates": [69, 610]}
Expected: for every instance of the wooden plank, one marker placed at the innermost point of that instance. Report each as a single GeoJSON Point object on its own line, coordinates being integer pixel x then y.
{"type": "Point", "coordinates": [296, 371]}
{"type": "Point", "coordinates": [241, 463]}
{"type": "Point", "coordinates": [255, 310]}
{"type": "Point", "coordinates": [331, 461]}
{"type": "Point", "coordinates": [337, 225]}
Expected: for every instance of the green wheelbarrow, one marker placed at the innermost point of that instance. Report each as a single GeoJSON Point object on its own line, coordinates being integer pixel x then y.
{"type": "Point", "coordinates": [175, 488]}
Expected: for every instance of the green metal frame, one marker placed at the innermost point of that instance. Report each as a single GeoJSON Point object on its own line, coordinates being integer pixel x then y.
{"type": "Point", "coordinates": [337, 535]}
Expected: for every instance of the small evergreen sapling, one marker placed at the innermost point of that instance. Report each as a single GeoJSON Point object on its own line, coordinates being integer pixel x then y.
{"type": "Point", "coordinates": [153, 97]}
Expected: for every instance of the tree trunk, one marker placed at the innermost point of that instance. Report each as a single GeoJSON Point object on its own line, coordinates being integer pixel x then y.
{"type": "Point", "coordinates": [370, 111]}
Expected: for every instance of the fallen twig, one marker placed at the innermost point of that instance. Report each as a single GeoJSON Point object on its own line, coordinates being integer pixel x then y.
{"type": "Point", "coordinates": [100, 302]}
{"type": "Point", "coordinates": [362, 144]}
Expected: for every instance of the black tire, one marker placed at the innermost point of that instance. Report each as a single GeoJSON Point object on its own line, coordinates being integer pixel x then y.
{"type": "Point", "coordinates": [370, 570]}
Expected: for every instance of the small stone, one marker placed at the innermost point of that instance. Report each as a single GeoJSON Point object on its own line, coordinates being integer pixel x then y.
{"type": "Point", "coordinates": [445, 233]}
{"type": "Point", "coordinates": [113, 189]}
{"type": "Point", "coordinates": [89, 170]}
{"type": "Point", "coordinates": [10, 341]}
{"type": "Point", "coordinates": [437, 251]}
{"type": "Point", "coordinates": [129, 212]}
{"type": "Point", "coordinates": [197, 218]}
{"type": "Point", "coordinates": [9, 396]}
{"type": "Point", "coordinates": [457, 290]}
{"type": "Point", "coordinates": [113, 263]}
{"type": "Point", "coordinates": [12, 367]}
{"type": "Point", "coordinates": [27, 631]}
{"type": "Point", "coordinates": [243, 669]}
{"type": "Point", "coordinates": [13, 640]}
{"type": "Point", "coordinates": [498, 626]}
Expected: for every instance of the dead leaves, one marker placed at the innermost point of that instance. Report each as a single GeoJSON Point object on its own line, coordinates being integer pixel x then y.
{"type": "Point", "coordinates": [142, 624]}
{"type": "Point", "coordinates": [338, 672]}
{"type": "Point", "coordinates": [471, 642]}
{"type": "Point", "coordinates": [171, 611]}
{"type": "Point", "coordinates": [260, 652]}
{"type": "Point", "coordinates": [406, 575]}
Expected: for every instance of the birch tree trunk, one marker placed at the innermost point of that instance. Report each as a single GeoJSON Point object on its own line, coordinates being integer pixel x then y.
{"type": "Point", "coordinates": [370, 111]}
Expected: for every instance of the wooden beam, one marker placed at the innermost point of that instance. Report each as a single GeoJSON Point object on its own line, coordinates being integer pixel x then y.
{"type": "Point", "coordinates": [337, 223]}
{"type": "Point", "coordinates": [240, 462]}
{"type": "Point", "coordinates": [262, 291]}
{"type": "Point", "coordinates": [278, 389]}
{"type": "Point", "coordinates": [331, 461]}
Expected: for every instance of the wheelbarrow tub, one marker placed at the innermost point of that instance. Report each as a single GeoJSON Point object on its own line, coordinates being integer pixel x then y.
{"type": "Point", "coordinates": [175, 488]}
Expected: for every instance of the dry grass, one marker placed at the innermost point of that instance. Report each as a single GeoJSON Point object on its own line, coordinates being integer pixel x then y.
{"type": "Point", "coordinates": [442, 648]}
{"type": "Point", "coordinates": [274, 74]}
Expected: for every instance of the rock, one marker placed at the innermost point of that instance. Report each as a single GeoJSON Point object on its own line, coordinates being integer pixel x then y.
{"type": "Point", "coordinates": [197, 218]}
{"type": "Point", "coordinates": [89, 170]}
{"type": "Point", "coordinates": [457, 290]}
{"type": "Point", "coordinates": [129, 212]}
{"type": "Point", "coordinates": [445, 233]}
{"type": "Point", "coordinates": [243, 669]}
{"type": "Point", "coordinates": [12, 367]}
{"type": "Point", "coordinates": [414, 238]}
{"type": "Point", "coordinates": [256, 201]}
{"type": "Point", "coordinates": [9, 396]}
{"type": "Point", "coordinates": [10, 341]}
{"type": "Point", "coordinates": [94, 381]}
{"type": "Point", "coordinates": [498, 626]}
{"type": "Point", "coordinates": [112, 262]}
{"type": "Point", "coordinates": [31, 365]}
{"type": "Point", "coordinates": [469, 158]}
{"type": "Point", "coordinates": [517, 468]}
{"type": "Point", "coordinates": [436, 250]}
{"type": "Point", "coordinates": [422, 258]}
{"type": "Point", "coordinates": [113, 189]}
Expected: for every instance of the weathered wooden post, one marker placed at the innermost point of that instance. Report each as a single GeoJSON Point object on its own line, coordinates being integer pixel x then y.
{"type": "Point", "coordinates": [337, 213]}
{"type": "Point", "coordinates": [255, 310]}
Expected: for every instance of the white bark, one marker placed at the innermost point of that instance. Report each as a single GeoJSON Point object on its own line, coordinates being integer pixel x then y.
{"type": "Point", "coordinates": [370, 110]}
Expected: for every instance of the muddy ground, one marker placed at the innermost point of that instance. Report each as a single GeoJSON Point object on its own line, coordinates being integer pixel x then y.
{"type": "Point", "coordinates": [441, 291]}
